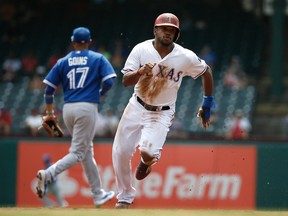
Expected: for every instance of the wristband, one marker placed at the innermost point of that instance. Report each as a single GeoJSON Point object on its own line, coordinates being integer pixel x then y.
{"type": "Point", "coordinates": [208, 101]}
{"type": "Point", "coordinates": [48, 100]}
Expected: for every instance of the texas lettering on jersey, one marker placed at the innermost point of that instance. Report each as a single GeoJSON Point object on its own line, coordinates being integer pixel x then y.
{"type": "Point", "coordinates": [165, 72]}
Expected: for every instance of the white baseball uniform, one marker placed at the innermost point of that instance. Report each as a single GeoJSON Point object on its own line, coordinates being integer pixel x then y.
{"type": "Point", "coordinates": [144, 128]}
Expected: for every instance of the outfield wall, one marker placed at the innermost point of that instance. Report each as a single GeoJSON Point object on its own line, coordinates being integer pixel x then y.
{"type": "Point", "coordinates": [196, 174]}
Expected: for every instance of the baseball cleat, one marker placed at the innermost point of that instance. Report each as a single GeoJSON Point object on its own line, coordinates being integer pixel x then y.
{"type": "Point", "coordinates": [107, 196]}
{"type": "Point", "coordinates": [64, 204]}
{"type": "Point", "coordinates": [143, 170]}
{"type": "Point", "coordinates": [41, 186]}
{"type": "Point", "coordinates": [122, 205]}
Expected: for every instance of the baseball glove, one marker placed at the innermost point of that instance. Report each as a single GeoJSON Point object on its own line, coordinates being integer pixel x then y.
{"type": "Point", "coordinates": [50, 124]}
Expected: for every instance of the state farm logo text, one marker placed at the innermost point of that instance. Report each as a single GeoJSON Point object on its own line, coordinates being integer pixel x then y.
{"type": "Point", "coordinates": [190, 186]}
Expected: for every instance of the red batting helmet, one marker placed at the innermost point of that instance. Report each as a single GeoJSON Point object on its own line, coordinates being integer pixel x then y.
{"type": "Point", "coordinates": [168, 19]}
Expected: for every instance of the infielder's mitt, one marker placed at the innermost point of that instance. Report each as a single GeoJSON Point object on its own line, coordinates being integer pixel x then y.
{"type": "Point", "coordinates": [50, 124]}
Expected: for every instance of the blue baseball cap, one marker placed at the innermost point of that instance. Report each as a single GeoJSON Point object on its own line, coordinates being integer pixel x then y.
{"type": "Point", "coordinates": [81, 35]}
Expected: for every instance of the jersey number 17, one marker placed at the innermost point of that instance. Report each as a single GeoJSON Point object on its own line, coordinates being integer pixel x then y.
{"type": "Point", "coordinates": [72, 77]}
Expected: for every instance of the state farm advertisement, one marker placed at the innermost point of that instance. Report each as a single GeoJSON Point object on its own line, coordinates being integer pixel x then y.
{"type": "Point", "coordinates": [187, 176]}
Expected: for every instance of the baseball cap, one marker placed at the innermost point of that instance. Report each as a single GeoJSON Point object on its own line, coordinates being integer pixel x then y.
{"type": "Point", "coordinates": [81, 35]}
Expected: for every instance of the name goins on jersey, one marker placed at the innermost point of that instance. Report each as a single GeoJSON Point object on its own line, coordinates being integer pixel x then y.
{"type": "Point", "coordinates": [81, 60]}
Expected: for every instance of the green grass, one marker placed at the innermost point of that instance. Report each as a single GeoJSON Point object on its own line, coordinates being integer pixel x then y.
{"type": "Point", "coordinates": [132, 212]}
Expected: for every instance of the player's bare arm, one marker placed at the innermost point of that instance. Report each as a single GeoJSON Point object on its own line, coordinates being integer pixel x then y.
{"type": "Point", "coordinates": [132, 77]}
{"type": "Point", "coordinates": [208, 84]}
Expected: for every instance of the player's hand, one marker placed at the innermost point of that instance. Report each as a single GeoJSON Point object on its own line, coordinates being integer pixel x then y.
{"type": "Point", "coordinates": [146, 69]}
{"type": "Point", "coordinates": [204, 111]}
{"type": "Point", "coordinates": [204, 114]}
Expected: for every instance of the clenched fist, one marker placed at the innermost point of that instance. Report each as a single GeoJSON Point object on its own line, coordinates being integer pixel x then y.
{"type": "Point", "coordinates": [146, 69]}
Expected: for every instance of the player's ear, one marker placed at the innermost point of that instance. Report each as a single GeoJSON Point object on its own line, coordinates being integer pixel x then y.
{"type": "Point", "coordinates": [155, 31]}
{"type": "Point", "coordinates": [73, 43]}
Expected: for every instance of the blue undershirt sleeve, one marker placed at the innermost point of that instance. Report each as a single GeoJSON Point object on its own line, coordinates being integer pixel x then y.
{"type": "Point", "coordinates": [49, 90]}
{"type": "Point", "coordinates": [107, 84]}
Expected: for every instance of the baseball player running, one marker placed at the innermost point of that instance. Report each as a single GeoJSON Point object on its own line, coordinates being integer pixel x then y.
{"type": "Point", "coordinates": [81, 73]}
{"type": "Point", "coordinates": [156, 67]}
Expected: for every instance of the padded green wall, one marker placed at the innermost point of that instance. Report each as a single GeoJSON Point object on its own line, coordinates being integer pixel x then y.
{"type": "Point", "coordinates": [8, 169]}
{"type": "Point", "coordinates": [272, 182]}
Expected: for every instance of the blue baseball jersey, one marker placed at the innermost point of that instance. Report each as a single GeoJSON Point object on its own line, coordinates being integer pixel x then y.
{"type": "Point", "coordinates": [80, 73]}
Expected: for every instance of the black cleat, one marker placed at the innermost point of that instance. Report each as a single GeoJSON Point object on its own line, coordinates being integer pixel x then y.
{"type": "Point", "coordinates": [143, 170]}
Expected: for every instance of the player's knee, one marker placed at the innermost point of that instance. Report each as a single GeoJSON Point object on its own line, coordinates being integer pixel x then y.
{"type": "Point", "coordinates": [79, 156]}
{"type": "Point", "coordinates": [122, 152]}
